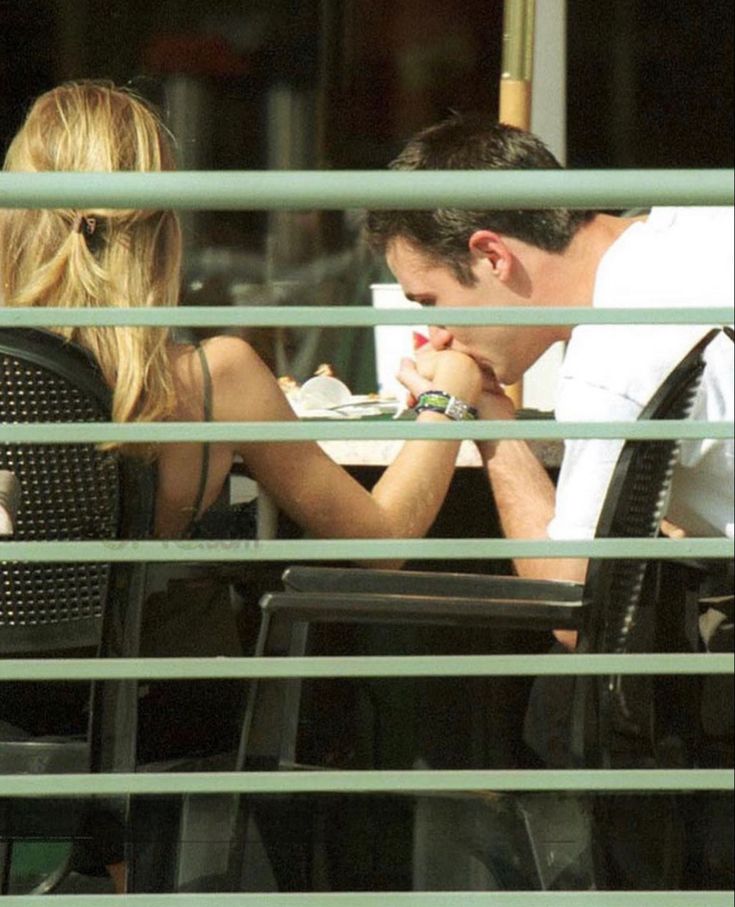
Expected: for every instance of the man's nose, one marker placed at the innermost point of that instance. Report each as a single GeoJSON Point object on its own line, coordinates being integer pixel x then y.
{"type": "Point", "coordinates": [440, 337]}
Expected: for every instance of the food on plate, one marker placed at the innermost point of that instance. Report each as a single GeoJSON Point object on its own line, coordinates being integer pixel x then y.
{"type": "Point", "coordinates": [288, 385]}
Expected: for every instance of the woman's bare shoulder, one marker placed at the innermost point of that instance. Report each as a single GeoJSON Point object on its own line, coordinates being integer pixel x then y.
{"type": "Point", "coordinates": [233, 366]}
{"type": "Point", "coordinates": [244, 386]}
{"type": "Point", "coordinates": [227, 352]}
{"type": "Point", "coordinates": [231, 361]}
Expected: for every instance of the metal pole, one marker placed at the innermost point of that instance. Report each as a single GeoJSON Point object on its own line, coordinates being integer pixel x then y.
{"type": "Point", "coordinates": [549, 112]}
{"type": "Point", "coordinates": [517, 62]}
{"type": "Point", "coordinates": [515, 85]}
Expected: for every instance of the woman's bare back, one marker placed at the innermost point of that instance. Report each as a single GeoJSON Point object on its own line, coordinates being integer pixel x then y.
{"type": "Point", "coordinates": [180, 465]}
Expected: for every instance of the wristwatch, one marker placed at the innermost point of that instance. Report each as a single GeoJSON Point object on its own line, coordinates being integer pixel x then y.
{"type": "Point", "coordinates": [448, 405]}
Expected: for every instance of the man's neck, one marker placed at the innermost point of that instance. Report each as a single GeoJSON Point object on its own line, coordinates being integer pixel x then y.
{"type": "Point", "coordinates": [569, 279]}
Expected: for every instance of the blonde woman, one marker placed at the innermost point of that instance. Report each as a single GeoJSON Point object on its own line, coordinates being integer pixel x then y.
{"type": "Point", "coordinates": [105, 257]}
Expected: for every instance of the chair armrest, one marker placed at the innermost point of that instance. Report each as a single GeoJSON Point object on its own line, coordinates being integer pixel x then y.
{"type": "Point", "coordinates": [428, 583]}
{"type": "Point", "coordinates": [366, 607]}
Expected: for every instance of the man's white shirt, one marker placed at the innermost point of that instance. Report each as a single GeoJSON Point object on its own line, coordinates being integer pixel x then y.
{"type": "Point", "coordinates": [678, 257]}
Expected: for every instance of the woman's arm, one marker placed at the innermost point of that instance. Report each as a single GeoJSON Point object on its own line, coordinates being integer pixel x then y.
{"type": "Point", "coordinates": [315, 491]}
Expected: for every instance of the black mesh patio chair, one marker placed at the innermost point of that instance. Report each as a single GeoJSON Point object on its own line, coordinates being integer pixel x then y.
{"type": "Point", "coordinates": [68, 492]}
{"type": "Point", "coordinates": [479, 840]}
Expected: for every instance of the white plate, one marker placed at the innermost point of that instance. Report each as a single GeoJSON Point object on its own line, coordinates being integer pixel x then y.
{"type": "Point", "coordinates": [359, 406]}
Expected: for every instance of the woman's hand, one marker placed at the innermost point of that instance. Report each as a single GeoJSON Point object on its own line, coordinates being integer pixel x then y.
{"type": "Point", "coordinates": [457, 374]}
{"type": "Point", "coordinates": [445, 370]}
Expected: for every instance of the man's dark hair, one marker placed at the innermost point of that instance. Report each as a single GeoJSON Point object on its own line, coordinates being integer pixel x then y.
{"type": "Point", "coordinates": [471, 142]}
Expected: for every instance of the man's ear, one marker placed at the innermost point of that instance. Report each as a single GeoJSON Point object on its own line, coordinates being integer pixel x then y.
{"type": "Point", "coordinates": [489, 246]}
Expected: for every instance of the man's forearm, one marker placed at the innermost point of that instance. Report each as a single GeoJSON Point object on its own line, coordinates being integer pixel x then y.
{"type": "Point", "coordinates": [524, 497]}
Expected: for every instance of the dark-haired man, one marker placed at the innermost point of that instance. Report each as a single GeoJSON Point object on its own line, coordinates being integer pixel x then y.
{"type": "Point", "coordinates": [670, 257]}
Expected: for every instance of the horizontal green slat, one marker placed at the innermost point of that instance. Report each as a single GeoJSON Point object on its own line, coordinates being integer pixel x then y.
{"type": "Point", "coordinates": [356, 316]}
{"type": "Point", "coordinates": [45, 669]}
{"type": "Point", "coordinates": [392, 899]}
{"type": "Point", "coordinates": [620, 780]}
{"type": "Point", "coordinates": [361, 549]}
{"type": "Point", "coordinates": [293, 189]}
{"type": "Point", "coordinates": [352, 430]}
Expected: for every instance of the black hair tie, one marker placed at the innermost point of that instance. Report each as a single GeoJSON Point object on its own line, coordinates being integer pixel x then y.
{"type": "Point", "coordinates": [89, 227]}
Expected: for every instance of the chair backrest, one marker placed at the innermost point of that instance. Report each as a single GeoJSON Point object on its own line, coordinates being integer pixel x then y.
{"type": "Point", "coordinates": [68, 492]}
{"type": "Point", "coordinates": [634, 506]}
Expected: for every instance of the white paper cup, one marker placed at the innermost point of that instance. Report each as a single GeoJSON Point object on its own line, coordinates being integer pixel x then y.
{"type": "Point", "coordinates": [394, 342]}
{"type": "Point", "coordinates": [323, 392]}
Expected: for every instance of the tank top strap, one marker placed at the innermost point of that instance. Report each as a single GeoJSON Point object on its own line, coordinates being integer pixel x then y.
{"type": "Point", "coordinates": [207, 389]}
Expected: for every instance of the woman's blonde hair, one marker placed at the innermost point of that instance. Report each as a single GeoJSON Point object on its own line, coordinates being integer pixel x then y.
{"type": "Point", "coordinates": [99, 257]}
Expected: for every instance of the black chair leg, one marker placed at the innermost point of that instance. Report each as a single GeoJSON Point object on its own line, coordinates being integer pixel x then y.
{"type": "Point", "coordinates": [6, 858]}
